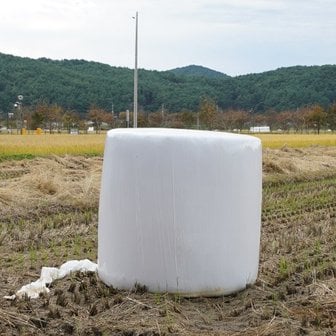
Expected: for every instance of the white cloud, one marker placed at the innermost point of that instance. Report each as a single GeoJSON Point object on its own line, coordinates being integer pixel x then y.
{"type": "Point", "coordinates": [232, 36]}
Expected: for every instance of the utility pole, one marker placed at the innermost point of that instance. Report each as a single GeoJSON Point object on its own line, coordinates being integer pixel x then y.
{"type": "Point", "coordinates": [162, 114]}
{"type": "Point", "coordinates": [135, 107]}
{"type": "Point", "coordinates": [19, 119]}
{"type": "Point", "coordinates": [127, 119]}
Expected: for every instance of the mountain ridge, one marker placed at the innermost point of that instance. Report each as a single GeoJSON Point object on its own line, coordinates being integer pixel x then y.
{"type": "Point", "coordinates": [78, 84]}
{"type": "Point", "coordinates": [198, 71]}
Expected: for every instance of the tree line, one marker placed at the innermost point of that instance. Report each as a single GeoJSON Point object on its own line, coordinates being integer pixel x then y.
{"type": "Point", "coordinates": [54, 118]}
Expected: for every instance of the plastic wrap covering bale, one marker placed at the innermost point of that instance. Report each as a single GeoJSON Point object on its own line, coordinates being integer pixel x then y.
{"type": "Point", "coordinates": [49, 275]}
{"type": "Point", "coordinates": [180, 211]}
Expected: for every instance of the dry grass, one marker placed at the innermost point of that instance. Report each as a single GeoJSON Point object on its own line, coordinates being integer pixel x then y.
{"type": "Point", "coordinates": [295, 164]}
{"type": "Point", "coordinates": [35, 185]}
{"type": "Point", "coordinates": [43, 224]}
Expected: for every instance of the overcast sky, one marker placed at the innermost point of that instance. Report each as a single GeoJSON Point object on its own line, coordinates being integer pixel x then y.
{"type": "Point", "coordinates": [231, 36]}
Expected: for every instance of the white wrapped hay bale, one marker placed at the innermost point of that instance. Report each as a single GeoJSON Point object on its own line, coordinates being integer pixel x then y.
{"type": "Point", "coordinates": [180, 211]}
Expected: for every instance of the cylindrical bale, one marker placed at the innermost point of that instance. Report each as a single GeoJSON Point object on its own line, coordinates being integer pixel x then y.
{"type": "Point", "coordinates": [180, 211]}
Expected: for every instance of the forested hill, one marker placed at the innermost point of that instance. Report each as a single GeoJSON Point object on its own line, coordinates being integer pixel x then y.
{"type": "Point", "coordinates": [198, 71]}
{"type": "Point", "coordinates": [78, 84]}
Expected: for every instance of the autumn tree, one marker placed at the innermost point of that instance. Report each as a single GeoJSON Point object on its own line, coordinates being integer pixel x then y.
{"type": "Point", "coordinates": [70, 119]}
{"type": "Point", "coordinates": [108, 118]}
{"type": "Point", "coordinates": [234, 119]}
{"type": "Point", "coordinates": [331, 117]}
{"type": "Point", "coordinates": [143, 119]}
{"type": "Point", "coordinates": [27, 117]}
{"type": "Point", "coordinates": [122, 119]}
{"type": "Point", "coordinates": [39, 115]}
{"type": "Point", "coordinates": [284, 120]}
{"type": "Point", "coordinates": [173, 120]}
{"type": "Point", "coordinates": [155, 119]}
{"type": "Point", "coordinates": [96, 115]}
{"type": "Point", "coordinates": [302, 118]}
{"type": "Point", "coordinates": [258, 119]}
{"type": "Point", "coordinates": [207, 113]}
{"type": "Point", "coordinates": [188, 119]}
{"type": "Point", "coordinates": [317, 117]}
{"type": "Point", "coordinates": [53, 117]}
{"type": "Point", "coordinates": [270, 119]}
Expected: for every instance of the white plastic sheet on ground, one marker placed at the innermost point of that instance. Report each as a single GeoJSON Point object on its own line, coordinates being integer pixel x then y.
{"type": "Point", "coordinates": [50, 274]}
{"type": "Point", "coordinates": [180, 211]}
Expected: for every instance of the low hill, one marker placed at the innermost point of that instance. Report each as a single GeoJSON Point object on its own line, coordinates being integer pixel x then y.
{"type": "Point", "coordinates": [78, 84]}
{"type": "Point", "coordinates": [198, 71]}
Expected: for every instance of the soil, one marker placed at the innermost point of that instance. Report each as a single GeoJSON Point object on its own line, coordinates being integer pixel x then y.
{"type": "Point", "coordinates": [48, 215]}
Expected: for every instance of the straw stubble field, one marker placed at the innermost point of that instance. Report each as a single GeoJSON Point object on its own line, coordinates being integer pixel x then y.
{"type": "Point", "coordinates": [48, 215]}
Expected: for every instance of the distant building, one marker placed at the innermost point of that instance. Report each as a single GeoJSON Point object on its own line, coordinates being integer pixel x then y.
{"type": "Point", "coordinates": [260, 129]}
{"type": "Point", "coordinates": [74, 131]}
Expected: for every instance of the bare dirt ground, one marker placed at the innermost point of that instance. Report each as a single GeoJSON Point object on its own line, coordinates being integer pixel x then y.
{"type": "Point", "coordinates": [48, 215]}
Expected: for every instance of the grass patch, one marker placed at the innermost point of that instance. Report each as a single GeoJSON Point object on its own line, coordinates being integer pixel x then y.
{"type": "Point", "coordinates": [296, 140]}
{"type": "Point", "coordinates": [29, 146]}
{"type": "Point", "coordinates": [12, 156]}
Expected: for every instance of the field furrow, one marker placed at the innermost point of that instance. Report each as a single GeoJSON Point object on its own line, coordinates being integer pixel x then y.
{"type": "Point", "coordinates": [48, 215]}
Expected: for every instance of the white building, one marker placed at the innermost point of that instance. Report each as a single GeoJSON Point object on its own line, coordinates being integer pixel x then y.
{"type": "Point", "coordinates": [260, 129]}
